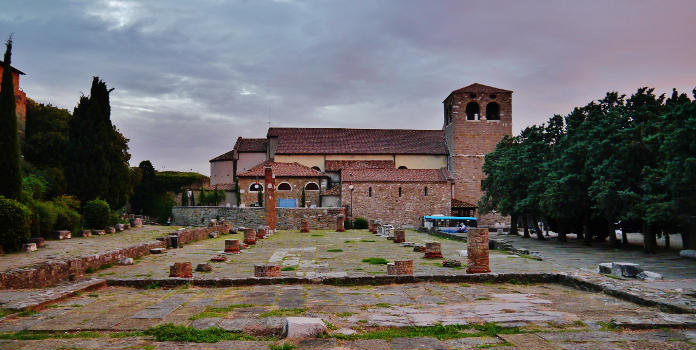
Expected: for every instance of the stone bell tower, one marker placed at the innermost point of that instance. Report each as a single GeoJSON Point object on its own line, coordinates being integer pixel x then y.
{"type": "Point", "coordinates": [476, 118]}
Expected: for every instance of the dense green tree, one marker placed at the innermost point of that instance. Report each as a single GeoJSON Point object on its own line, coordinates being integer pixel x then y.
{"type": "Point", "coordinates": [146, 190]}
{"type": "Point", "coordinates": [11, 175]}
{"type": "Point", "coordinates": [97, 152]}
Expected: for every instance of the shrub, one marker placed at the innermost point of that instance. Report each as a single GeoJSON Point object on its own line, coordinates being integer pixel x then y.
{"type": "Point", "coordinates": [67, 218]}
{"type": "Point", "coordinates": [15, 220]}
{"type": "Point", "coordinates": [348, 224]}
{"type": "Point", "coordinates": [97, 214]}
{"type": "Point", "coordinates": [48, 215]}
{"type": "Point", "coordinates": [360, 223]}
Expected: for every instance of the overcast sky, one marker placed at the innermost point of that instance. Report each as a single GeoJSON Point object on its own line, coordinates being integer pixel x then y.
{"type": "Point", "coordinates": [191, 76]}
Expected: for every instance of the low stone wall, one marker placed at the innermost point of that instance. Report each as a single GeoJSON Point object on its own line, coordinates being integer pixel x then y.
{"type": "Point", "coordinates": [288, 218]}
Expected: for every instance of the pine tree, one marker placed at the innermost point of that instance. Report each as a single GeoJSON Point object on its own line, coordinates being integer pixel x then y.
{"type": "Point", "coordinates": [11, 175]}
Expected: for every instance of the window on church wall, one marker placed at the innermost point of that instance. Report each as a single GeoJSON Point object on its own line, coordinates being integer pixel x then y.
{"type": "Point", "coordinates": [311, 186]}
{"type": "Point", "coordinates": [256, 187]}
{"type": "Point", "coordinates": [369, 191]}
{"type": "Point", "coordinates": [403, 167]}
{"type": "Point", "coordinates": [493, 111]}
{"type": "Point", "coordinates": [284, 186]}
{"type": "Point", "coordinates": [473, 111]}
{"type": "Point", "coordinates": [425, 191]}
{"type": "Point", "coordinates": [399, 191]}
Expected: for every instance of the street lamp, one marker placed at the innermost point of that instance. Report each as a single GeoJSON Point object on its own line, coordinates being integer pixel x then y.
{"type": "Point", "coordinates": [350, 187]}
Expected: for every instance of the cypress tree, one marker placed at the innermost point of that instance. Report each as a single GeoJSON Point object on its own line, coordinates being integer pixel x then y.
{"type": "Point", "coordinates": [192, 201]}
{"type": "Point", "coordinates": [11, 176]}
{"type": "Point", "coordinates": [184, 199]}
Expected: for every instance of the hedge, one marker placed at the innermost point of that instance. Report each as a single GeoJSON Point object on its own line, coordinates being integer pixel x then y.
{"type": "Point", "coordinates": [15, 224]}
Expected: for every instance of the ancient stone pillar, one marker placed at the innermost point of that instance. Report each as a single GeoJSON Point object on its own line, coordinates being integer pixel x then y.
{"type": "Point", "coordinates": [432, 250]}
{"type": "Point", "coordinates": [399, 236]}
{"type": "Point", "coordinates": [304, 224]}
{"type": "Point", "coordinates": [400, 267]}
{"type": "Point", "coordinates": [249, 236]}
{"type": "Point", "coordinates": [340, 221]}
{"type": "Point", "coordinates": [182, 270]}
{"type": "Point", "coordinates": [136, 222]}
{"type": "Point", "coordinates": [270, 199]}
{"type": "Point", "coordinates": [266, 270]}
{"type": "Point", "coordinates": [477, 250]}
{"type": "Point", "coordinates": [232, 246]}
{"type": "Point", "coordinates": [261, 232]}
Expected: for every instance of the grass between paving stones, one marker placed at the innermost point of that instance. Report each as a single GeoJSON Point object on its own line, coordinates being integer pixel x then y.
{"type": "Point", "coordinates": [334, 250]}
{"type": "Point", "coordinates": [172, 332]}
{"type": "Point", "coordinates": [101, 267]}
{"type": "Point", "coordinates": [211, 311]}
{"type": "Point", "coordinates": [375, 261]}
{"type": "Point", "coordinates": [288, 268]}
{"type": "Point", "coordinates": [437, 331]}
{"type": "Point", "coordinates": [35, 335]}
{"type": "Point", "coordinates": [284, 312]}
{"type": "Point", "coordinates": [284, 346]}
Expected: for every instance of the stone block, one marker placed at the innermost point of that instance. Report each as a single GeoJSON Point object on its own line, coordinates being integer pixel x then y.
{"type": "Point", "coordinates": [110, 229]}
{"type": "Point", "coordinates": [219, 258]}
{"type": "Point", "coordinates": [304, 224]}
{"type": "Point", "coordinates": [400, 267]}
{"type": "Point", "coordinates": [477, 250]}
{"type": "Point", "coordinates": [233, 231]}
{"type": "Point", "coordinates": [451, 263]}
{"type": "Point", "coordinates": [604, 268]}
{"type": "Point", "coordinates": [303, 327]}
{"type": "Point", "coordinates": [249, 236]}
{"type": "Point", "coordinates": [40, 241]}
{"type": "Point", "coordinates": [419, 248]}
{"type": "Point", "coordinates": [136, 222]}
{"type": "Point", "coordinates": [213, 234]}
{"type": "Point", "coordinates": [688, 253]}
{"type": "Point", "coordinates": [63, 234]}
{"type": "Point", "coordinates": [266, 270]}
{"type": "Point", "coordinates": [433, 250]}
{"type": "Point", "coordinates": [625, 269]}
{"type": "Point", "coordinates": [340, 223]}
{"type": "Point", "coordinates": [29, 247]}
{"type": "Point", "coordinates": [120, 227]}
{"type": "Point", "coordinates": [649, 276]}
{"type": "Point", "coordinates": [173, 241]}
{"type": "Point", "coordinates": [98, 232]}
{"type": "Point", "coordinates": [181, 270]}
{"type": "Point", "coordinates": [158, 250]}
{"type": "Point", "coordinates": [232, 246]}
{"type": "Point", "coordinates": [85, 233]}
{"type": "Point", "coordinates": [399, 236]}
{"type": "Point", "coordinates": [408, 244]}
{"type": "Point", "coordinates": [261, 232]}
{"type": "Point", "coordinates": [126, 226]}
{"type": "Point", "coordinates": [204, 268]}
{"type": "Point", "coordinates": [126, 261]}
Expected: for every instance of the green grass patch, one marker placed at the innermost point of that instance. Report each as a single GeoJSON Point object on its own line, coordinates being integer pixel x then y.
{"type": "Point", "coordinates": [29, 335]}
{"type": "Point", "coordinates": [343, 314]}
{"type": "Point", "coordinates": [153, 285]}
{"type": "Point", "coordinates": [334, 250]}
{"type": "Point", "coordinates": [438, 331]}
{"type": "Point", "coordinates": [483, 298]}
{"type": "Point", "coordinates": [171, 332]}
{"type": "Point", "coordinates": [284, 346]}
{"type": "Point", "coordinates": [288, 268]}
{"type": "Point", "coordinates": [608, 325]}
{"type": "Point", "coordinates": [367, 240]}
{"type": "Point", "coordinates": [25, 313]}
{"type": "Point", "coordinates": [486, 346]}
{"type": "Point", "coordinates": [284, 312]}
{"type": "Point", "coordinates": [127, 334]}
{"type": "Point", "coordinates": [211, 311]}
{"type": "Point", "coordinates": [383, 305]}
{"type": "Point", "coordinates": [316, 235]}
{"type": "Point", "coordinates": [330, 325]}
{"type": "Point", "coordinates": [375, 261]}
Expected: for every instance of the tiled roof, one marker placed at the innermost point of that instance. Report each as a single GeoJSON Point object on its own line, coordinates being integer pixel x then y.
{"type": "Point", "coordinates": [333, 191]}
{"type": "Point", "coordinates": [456, 203]}
{"type": "Point", "coordinates": [2, 63]}
{"type": "Point", "coordinates": [243, 145]}
{"type": "Point", "coordinates": [333, 165]}
{"type": "Point", "coordinates": [282, 170]}
{"type": "Point", "coordinates": [394, 175]}
{"type": "Point", "coordinates": [476, 87]}
{"type": "Point", "coordinates": [358, 141]}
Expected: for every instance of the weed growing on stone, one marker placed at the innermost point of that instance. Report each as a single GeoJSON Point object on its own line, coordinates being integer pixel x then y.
{"type": "Point", "coordinates": [608, 325]}
{"type": "Point", "coordinates": [29, 335]}
{"type": "Point", "coordinates": [211, 311]}
{"type": "Point", "coordinates": [126, 334]}
{"type": "Point", "coordinates": [334, 250]}
{"type": "Point", "coordinates": [375, 261]}
{"type": "Point", "coordinates": [93, 295]}
{"type": "Point", "coordinates": [367, 240]}
{"type": "Point", "coordinates": [343, 314]}
{"type": "Point", "coordinates": [438, 331]}
{"type": "Point", "coordinates": [288, 268]}
{"type": "Point", "coordinates": [316, 235]}
{"type": "Point", "coordinates": [25, 313]}
{"type": "Point", "coordinates": [486, 346]}
{"type": "Point", "coordinates": [284, 346]}
{"type": "Point", "coordinates": [330, 325]}
{"type": "Point", "coordinates": [483, 298]}
{"type": "Point", "coordinates": [171, 332]}
{"type": "Point", "coordinates": [153, 285]}
{"type": "Point", "coordinates": [284, 312]}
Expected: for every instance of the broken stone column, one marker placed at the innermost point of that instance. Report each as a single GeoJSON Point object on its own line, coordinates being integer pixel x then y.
{"type": "Point", "coordinates": [340, 223]}
{"type": "Point", "coordinates": [477, 250]}
{"type": "Point", "coordinates": [261, 232]}
{"type": "Point", "coordinates": [304, 224]}
{"type": "Point", "coordinates": [433, 250]}
{"type": "Point", "coordinates": [371, 226]}
{"type": "Point", "coordinates": [232, 246]}
{"type": "Point", "coordinates": [399, 236]}
{"type": "Point", "coordinates": [266, 270]}
{"type": "Point", "coordinates": [29, 247]}
{"type": "Point", "coordinates": [181, 270]}
{"type": "Point", "coordinates": [249, 236]}
{"type": "Point", "coordinates": [270, 199]}
{"type": "Point", "coordinates": [400, 267]}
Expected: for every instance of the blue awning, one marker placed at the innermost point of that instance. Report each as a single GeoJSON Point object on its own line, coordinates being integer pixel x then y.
{"type": "Point", "coordinates": [435, 217]}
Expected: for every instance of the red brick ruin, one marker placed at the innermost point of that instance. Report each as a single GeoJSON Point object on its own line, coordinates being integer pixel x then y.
{"type": "Point", "coordinates": [249, 236]}
{"type": "Point", "coordinates": [340, 222]}
{"type": "Point", "coordinates": [477, 250]}
{"type": "Point", "coordinates": [266, 270]}
{"type": "Point", "coordinates": [270, 199]}
{"type": "Point", "coordinates": [400, 267]}
{"type": "Point", "coordinates": [261, 232]}
{"type": "Point", "coordinates": [399, 236]}
{"type": "Point", "coordinates": [232, 246]}
{"type": "Point", "coordinates": [372, 226]}
{"type": "Point", "coordinates": [432, 250]}
{"type": "Point", "coordinates": [304, 224]}
{"type": "Point", "coordinates": [182, 270]}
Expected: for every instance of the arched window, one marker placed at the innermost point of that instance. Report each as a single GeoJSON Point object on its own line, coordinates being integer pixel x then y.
{"type": "Point", "coordinates": [403, 167]}
{"type": "Point", "coordinates": [316, 168]}
{"type": "Point", "coordinates": [399, 191]}
{"type": "Point", "coordinates": [369, 191]}
{"type": "Point", "coordinates": [284, 186]}
{"type": "Point", "coordinates": [425, 191]}
{"type": "Point", "coordinates": [473, 111]}
{"type": "Point", "coordinates": [493, 111]}
{"type": "Point", "coordinates": [256, 187]}
{"type": "Point", "coordinates": [311, 186]}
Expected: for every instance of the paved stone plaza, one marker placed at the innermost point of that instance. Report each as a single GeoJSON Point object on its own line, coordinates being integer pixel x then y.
{"type": "Point", "coordinates": [517, 315]}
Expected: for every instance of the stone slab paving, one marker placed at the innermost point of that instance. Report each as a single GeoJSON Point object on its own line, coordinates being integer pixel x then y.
{"type": "Point", "coordinates": [19, 299]}
{"type": "Point", "coordinates": [84, 246]}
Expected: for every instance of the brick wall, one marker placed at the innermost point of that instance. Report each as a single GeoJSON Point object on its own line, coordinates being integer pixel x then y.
{"type": "Point", "coordinates": [288, 218]}
{"type": "Point", "coordinates": [297, 183]}
{"type": "Point", "coordinates": [386, 205]}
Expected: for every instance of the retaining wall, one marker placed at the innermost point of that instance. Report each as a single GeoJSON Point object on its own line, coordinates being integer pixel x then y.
{"type": "Point", "coordinates": [287, 218]}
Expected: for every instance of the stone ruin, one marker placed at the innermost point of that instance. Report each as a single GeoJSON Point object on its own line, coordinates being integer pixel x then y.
{"type": "Point", "coordinates": [181, 270]}
{"type": "Point", "coordinates": [433, 250]}
{"type": "Point", "coordinates": [261, 232]}
{"type": "Point", "coordinates": [340, 223]}
{"type": "Point", "coordinates": [477, 250]}
{"type": "Point", "coordinates": [304, 224]}
{"type": "Point", "coordinates": [400, 267]}
{"type": "Point", "coordinates": [249, 236]}
{"type": "Point", "coordinates": [399, 236]}
{"type": "Point", "coordinates": [266, 270]}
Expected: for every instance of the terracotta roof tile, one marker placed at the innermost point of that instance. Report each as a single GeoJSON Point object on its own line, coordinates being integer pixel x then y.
{"type": "Point", "coordinates": [282, 170]}
{"type": "Point", "coordinates": [393, 175]}
{"type": "Point", "coordinates": [333, 165]}
{"type": "Point", "coordinates": [456, 203]}
{"type": "Point", "coordinates": [358, 141]}
{"type": "Point", "coordinates": [243, 145]}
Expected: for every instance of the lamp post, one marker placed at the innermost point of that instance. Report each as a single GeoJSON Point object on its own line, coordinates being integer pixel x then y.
{"type": "Point", "coordinates": [350, 187]}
